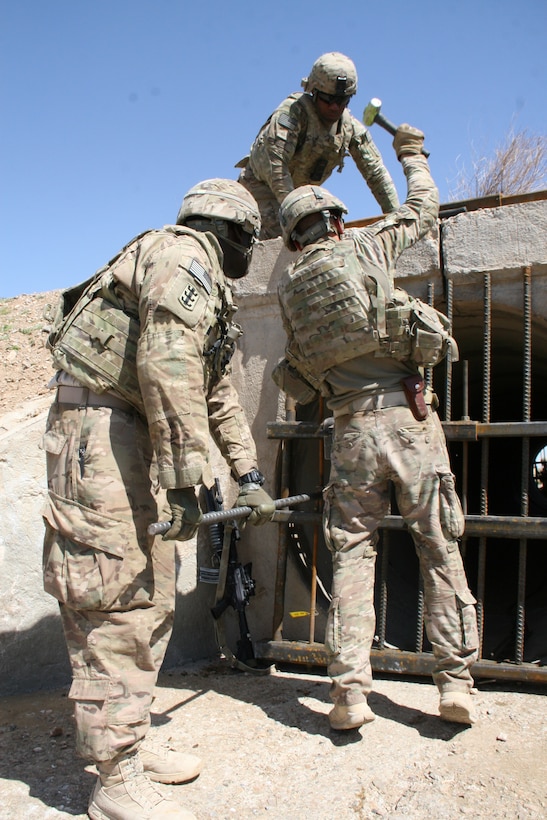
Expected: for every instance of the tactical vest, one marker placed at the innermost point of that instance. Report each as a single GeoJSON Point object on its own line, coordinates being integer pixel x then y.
{"type": "Point", "coordinates": [94, 336]}
{"type": "Point", "coordinates": [333, 307]}
{"type": "Point", "coordinates": [318, 151]}
{"type": "Point", "coordinates": [96, 329]}
{"type": "Point", "coordinates": [337, 312]}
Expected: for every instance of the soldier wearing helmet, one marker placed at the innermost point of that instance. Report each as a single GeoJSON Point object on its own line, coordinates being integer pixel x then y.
{"type": "Point", "coordinates": [307, 137]}
{"type": "Point", "coordinates": [142, 352]}
{"type": "Point", "coordinates": [362, 343]}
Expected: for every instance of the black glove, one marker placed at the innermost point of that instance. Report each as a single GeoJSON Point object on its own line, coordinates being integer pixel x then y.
{"type": "Point", "coordinates": [185, 514]}
{"type": "Point", "coordinates": [252, 495]}
{"type": "Point", "coordinates": [408, 140]}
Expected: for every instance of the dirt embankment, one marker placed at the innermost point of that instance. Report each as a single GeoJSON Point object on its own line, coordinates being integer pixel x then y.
{"type": "Point", "coordinates": [25, 366]}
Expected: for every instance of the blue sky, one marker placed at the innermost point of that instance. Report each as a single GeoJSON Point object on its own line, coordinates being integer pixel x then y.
{"type": "Point", "coordinates": [113, 109]}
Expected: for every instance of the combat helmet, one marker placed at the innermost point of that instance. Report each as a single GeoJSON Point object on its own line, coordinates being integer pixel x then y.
{"type": "Point", "coordinates": [221, 200]}
{"type": "Point", "coordinates": [308, 199]}
{"type": "Point", "coordinates": [332, 73]}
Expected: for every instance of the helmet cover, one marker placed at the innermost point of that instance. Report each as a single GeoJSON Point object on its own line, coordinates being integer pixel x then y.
{"type": "Point", "coordinates": [332, 73]}
{"type": "Point", "coordinates": [223, 199]}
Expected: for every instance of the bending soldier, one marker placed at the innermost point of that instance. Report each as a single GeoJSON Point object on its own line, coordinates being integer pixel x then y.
{"type": "Point", "coordinates": [142, 351]}
{"type": "Point", "coordinates": [307, 137]}
{"type": "Point", "coordinates": [352, 337]}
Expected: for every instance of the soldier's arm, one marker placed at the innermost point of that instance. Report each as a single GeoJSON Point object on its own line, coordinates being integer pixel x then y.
{"type": "Point", "coordinates": [229, 427]}
{"type": "Point", "coordinates": [173, 308]}
{"type": "Point", "coordinates": [370, 164]}
{"type": "Point", "coordinates": [414, 218]}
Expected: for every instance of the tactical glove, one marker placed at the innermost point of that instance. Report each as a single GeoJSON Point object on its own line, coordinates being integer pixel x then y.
{"type": "Point", "coordinates": [252, 495]}
{"type": "Point", "coordinates": [408, 140]}
{"type": "Point", "coordinates": [185, 514]}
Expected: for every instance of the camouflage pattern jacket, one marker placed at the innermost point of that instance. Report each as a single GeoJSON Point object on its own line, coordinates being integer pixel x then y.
{"type": "Point", "coordinates": [295, 148]}
{"type": "Point", "coordinates": [171, 285]}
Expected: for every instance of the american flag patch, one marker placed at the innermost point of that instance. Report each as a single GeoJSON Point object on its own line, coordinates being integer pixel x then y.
{"type": "Point", "coordinates": [200, 275]}
{"type": "Point", "coordinates": [286, 121]}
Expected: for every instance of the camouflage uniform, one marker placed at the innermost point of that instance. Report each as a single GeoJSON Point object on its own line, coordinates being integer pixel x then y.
{"type": "Point", "coordinates": [295, 148]}
{"type": "Point", "coordinates": [378, 441]}
{"type": "Point", "coordinates": [107, 464]}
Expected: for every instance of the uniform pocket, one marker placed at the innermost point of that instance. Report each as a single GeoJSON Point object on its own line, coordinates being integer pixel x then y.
{"type": "Point", "coordinates": [78, 575]}
{"type": "Point", "coordinates": [346, 450]}
{"type": "Point", "coordinates": [111, 697]}
{"type": "Point", "coordinates": [53, 442]}
{"type": "Point", "coordinates": [413, 433]}
{"type": "Point", "coordinates": [60, 470]}
{"type": "Point", "coordinates": [468, 620]}
{"type": "Point", "coordinates": [450, 509]}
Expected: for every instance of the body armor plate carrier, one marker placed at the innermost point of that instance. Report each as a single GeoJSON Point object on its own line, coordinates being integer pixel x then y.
{"type": "Point", "coordinates": [337, 312]}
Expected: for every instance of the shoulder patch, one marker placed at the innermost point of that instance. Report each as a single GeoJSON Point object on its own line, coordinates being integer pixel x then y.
{"type": "Point", "coordinates": [286, 121]}
{"type": "Point", "coordinates": [189, 297]}
{"type": "Point", "coordinates": [199, 273]}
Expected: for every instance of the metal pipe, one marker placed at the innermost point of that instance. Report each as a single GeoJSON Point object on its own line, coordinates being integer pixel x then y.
{"type": "Point", "coordinates": [397, 661]}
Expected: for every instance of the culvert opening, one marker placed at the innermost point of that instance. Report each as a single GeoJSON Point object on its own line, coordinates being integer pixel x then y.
{"type": "Point", "coordinates": [504, 476]}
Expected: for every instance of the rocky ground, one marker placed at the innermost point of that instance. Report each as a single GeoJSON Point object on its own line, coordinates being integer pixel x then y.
{"type": "Point", "coordinates": [265, 740]}
{"type": "Point", "coordinates": [25, 368]}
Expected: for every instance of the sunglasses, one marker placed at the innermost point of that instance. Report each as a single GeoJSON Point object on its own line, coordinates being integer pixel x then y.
{"type": "Point", "coordinates": [341, 100]}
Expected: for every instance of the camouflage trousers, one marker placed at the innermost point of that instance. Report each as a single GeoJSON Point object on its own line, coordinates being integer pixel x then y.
{"type": "Point", "coordinates": [114, 583]}
{"type": "Point", "coordinates": [266, 201]}
{"type": "Point", "coordinates": [370, 452]}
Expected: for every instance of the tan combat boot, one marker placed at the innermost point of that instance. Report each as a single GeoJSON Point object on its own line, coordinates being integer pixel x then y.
{"type": "Point", "coordinates": [457, 707]}
{"type": "Point", "coordinates": [350, 717]}
{"type": "Point", "coordinates": [124, 792]}
{"type": "Point", "coordinates": [164, 765]}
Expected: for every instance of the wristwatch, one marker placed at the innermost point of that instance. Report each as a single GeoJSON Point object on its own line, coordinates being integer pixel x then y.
{"type": "Point", "coordinates": [252, 477]}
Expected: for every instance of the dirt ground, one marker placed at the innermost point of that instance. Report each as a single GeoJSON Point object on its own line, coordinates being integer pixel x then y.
{"type": "Point", "coordinates": [25, 367]}
{"type": "Point", "coordinates": [265, 740]}
{"type": "Point", "coordinates": [268, 751]}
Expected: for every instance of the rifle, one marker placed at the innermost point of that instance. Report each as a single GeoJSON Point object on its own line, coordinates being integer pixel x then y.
{"type": "Point", "coordinates": [235, 585]}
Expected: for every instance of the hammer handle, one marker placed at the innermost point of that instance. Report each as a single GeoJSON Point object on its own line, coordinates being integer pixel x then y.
{"type": "Point", "coordinates": [385, 123]}
{"type": "Point", "coordinates": [390, 128]}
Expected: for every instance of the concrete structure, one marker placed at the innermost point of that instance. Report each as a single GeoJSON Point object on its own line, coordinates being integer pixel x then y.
{"type": "Point", "coordinates": [501, 241]}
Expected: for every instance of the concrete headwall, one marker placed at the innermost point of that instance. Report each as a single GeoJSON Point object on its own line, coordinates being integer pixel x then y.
{"type": "Point", "coordinates": [32, 652]}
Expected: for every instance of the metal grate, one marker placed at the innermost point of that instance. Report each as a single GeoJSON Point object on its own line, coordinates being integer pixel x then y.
{"type": "Point", "coordinates": [498, 447]}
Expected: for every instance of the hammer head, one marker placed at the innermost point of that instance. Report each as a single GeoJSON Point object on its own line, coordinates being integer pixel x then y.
{"type": "Point", "coordinates": [371, 111]}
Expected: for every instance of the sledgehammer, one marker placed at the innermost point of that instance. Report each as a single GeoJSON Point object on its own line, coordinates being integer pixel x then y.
{"type": "Point", "coordinates": [371, 115]}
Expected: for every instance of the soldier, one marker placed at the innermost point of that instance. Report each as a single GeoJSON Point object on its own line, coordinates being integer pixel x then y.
{"type": "Point", "coordinates": [307, 137]}
{"type": "Point", "coordinates": [142, 351]}
{"type": "Point", "coordinates": [361, 343]}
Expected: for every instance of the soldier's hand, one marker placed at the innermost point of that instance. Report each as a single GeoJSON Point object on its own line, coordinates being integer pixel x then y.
{"type": "Point", "coordinates": [252, 495]}
{"type": "Point", "coordinates": [185, 514]}
{"type": "Point", "coordinates": [408, 140]}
